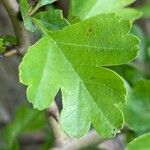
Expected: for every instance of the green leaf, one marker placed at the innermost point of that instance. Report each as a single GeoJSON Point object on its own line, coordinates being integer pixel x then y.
{"type": "Point", "coordinates": [145, 9]}
{"type": "Point", "coordinates": [70, 59]}
{"type": "Point", "coordinates": [25, 9]}
{"type": "Point", "coordinates": [75, 91]}
{"type": "Point", "coordinates": [140, 143]}
{"type": "Point", "coordinates": [138, 107]}
{"type": "Point", "coordinates": [52, 19]}
{"type": "Point", "coordinates": [9, 40]}
{"type": "Point", "coordinates": [23, 122]}
{"type": "Point", "coordinates": [87, 8]}
{"type": "Point", "coordinates": [2, 49]}
{"type": "Point", "coordinates": [129, 14]}
{"type": "Point", "coordinates": [44, 2]}
{"type": "Point", "coordinates": [40, 4]}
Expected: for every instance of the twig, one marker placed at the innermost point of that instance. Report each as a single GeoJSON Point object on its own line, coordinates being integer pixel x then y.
{"type": "Point", "coordinates": [9, 53]}
{"type": "Point", "coordinates": [119, 143]}
{"type": "Point", "coordinates": [92, 138]}
{"type": "Point", "coordinates": [36, 138]}
{"type": "Point", "coordinates": [53, 116]}
{"type": "Point", "coordinates": [21, 33]}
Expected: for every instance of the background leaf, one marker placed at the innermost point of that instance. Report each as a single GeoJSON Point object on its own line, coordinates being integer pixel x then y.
{"type": "Point", "coordinates": [138, 107]}
{"type": "Point", "coordinates": [2, 49]}
{"type": "Point", "coordinates": [145, 9]}
{"type": "Point", "coordinates": [27, 11]}
{"type": "Point", "coordinates": [9, 40]}
{"type": "Point", "coordinates": [25, 8]}
{"type": "Point", "coordinates": [26, 120]}
{"type": "Point", "coordinates": [44, 2]}
{"type": "Point", "coordinates": [52, 19]}
{"type": "Point", "coordinates": [129, 13]}
{"type": "Point", "coordinates": [87, 8]}
{"type": "Point", "coordinates": [140, 143]}
{"type": "Point", "coordinates": [40, 4]}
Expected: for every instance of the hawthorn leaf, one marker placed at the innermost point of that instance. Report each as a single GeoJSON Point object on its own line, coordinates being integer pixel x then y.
{"type": "Point", "coordinates": [103, 39]}
{"type": "Point", "coordinates": [81, 100]}
{"type": "Point", "coordinates": [2, 49]}
{"type": "Point", "coordinates": [40, 4]}
{"type": "Point", "coordinates": [52, 19]}
{"type": "Point", "coordinates": [72, 61]}
{"type": "Point", "coordinates": [25, 8]}
{"type": "Point", "coordinates": [27, 11]}
{"type": "Point", "coordinates": [137, 112]}
{"type": "Point", "coordinates": [87, 8]}
{"type": "Point", "coordinates": [140, 143]}
{"type": "Point", "coordinates": [99, 34]}
{"type": "Point", "coordinates": [44, 2]}
{"type": "Point", "coordinates": [129, 13]}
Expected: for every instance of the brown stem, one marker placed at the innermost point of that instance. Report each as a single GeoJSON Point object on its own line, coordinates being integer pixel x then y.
{"type": "Point", "coordinates": [53, 116]}
{"type": "Point", "coordinates": [9, 53]}
{"type": "Point", "coordinates": [21, 33]}
{"type": "Point", "coordinates": [92, 138]}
